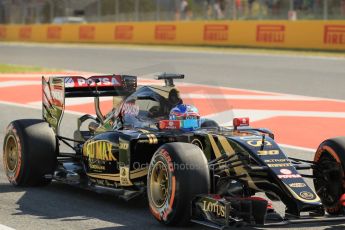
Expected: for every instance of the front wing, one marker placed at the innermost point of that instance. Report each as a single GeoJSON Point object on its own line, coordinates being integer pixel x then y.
{"type": "Point", "coordinates": [222, 212]}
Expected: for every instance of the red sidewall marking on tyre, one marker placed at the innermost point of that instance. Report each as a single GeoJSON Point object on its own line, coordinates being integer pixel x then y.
{"type": "Point", "coordinates": [167, 207]}
{"type": "Point", "coordinates": [13, 176]}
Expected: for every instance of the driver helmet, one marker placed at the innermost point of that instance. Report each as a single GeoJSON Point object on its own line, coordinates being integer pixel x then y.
{"type": "Point", "coordinates": [188, 115]}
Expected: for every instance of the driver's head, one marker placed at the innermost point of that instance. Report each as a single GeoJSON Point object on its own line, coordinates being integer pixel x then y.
{"type": "Point", "coordinates": [188, 115]}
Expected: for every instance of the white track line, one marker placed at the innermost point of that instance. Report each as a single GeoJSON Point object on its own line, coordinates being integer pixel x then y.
{"type": "Point", "coordinates": [248, 97]}
{"type": "Point", "coordinates": [28, 106]}
{"type": "Point", "coordinates": [75, 101]}
{"type": "Point", "coordinates": [310, 150]}
{"type": "Point", "coordinates": [4, 227]}
{"type": "Point", "coordinates": [225, 117]}
{"type": "Point", "coordinates": [18, 83]}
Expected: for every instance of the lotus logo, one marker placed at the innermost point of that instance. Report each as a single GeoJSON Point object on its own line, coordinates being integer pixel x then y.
{"type": "Point", "coordinates": [307, 195]}
{"type": "Point", "coordinates": [285, 171]}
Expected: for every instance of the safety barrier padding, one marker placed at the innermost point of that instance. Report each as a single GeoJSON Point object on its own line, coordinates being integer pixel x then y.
{"type": "Point", "coordinates": [321, 35]}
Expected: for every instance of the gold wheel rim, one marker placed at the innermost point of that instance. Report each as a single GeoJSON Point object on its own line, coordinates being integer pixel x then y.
{"type": "Point", "coordinates": [11, 153]}
{"type": "Point", "coordinates": [159, 183]}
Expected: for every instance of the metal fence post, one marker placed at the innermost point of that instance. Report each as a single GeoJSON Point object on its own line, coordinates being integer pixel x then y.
{"type": "Point", "coordinates": [117, 10]}
{"type": "Point", "coordinates": [51, 10]}
{"type": "Point", "coordinates": [261, 4]}
{"type": "Point", "coordinates": [158, 9]}
{"type": "Point", "coordinates": [5, 8]}
{"type": "Point", "coordinates": [234, 10]}
{"type": "Point", "coordinates": [1, 14]}
{"type": "Point", "coordinates": [291, 5]}
{"type": "Point", "coordinates": [99, 10]}
{"type": "Point", "coordinates": [37, 13]}
{"type": "Point", "coordinates": [325, 9]}
{"type": "Point", "coordinates": [136, 9]}
{"type": "Point", "coordinates": [65, 9]}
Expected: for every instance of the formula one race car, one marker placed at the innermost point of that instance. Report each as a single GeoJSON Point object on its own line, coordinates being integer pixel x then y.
{"type": "Point", "coordinates": [191, 171]}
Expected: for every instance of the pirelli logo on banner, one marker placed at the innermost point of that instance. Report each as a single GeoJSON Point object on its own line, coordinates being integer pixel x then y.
{"type": "Point", "coordinates": [25, 33]}
{"type": "Point", "coordinates": [270, 33]}
{"type": "Point", "coordinates": [334, 34]}
{"type": "Point", "coordinates": [216, 32]}
{"type": "Point", "coordinates": [87, 32]}
{"type": "Point", "coordinates": [2, 32]}
{"type": "Point", "coordinates": [54, 32]}
{"type": "Point", "coordinates": [165, 32]}
{"type": "Point", "coordinates": [123, 32]}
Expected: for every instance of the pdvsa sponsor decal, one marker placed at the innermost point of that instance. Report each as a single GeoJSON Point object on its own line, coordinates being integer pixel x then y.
{"type": "Point", "coordinates": [270, 33]}
{"type": "Point", "coordinates": [123, 32]}
{"type": "Point", "coordinates": [54, 32]}
{"type": "Point", "coordinates": [87, 32]}
{"type": "Point", "coordinates": [307, 195]}
{"type": "Point", "coordinates": [334, 35]}
{"type": "Point", "coordinates": [165, 32]}
{"type": "Point", "coordinates": [215, 208]}
{"type": "Point", "coordinates": [77, 82]}
{"type": "Point", "coordinates": [130, 108]}
{"type": "Point", "coordinates": [216, 32]}
{"type": "Point", "coordinates": [287, 173]}
{"type": "Point", "coordinates": [53, 97]}
{"type": "Point", "coordinates": [266, 152]}
{"type": "Point", "coordinates": [276, 160]}
{"type": "Point", "coordinates": [124, 176]}
{"type": "Point", "coordinates": [2, 32]}
{"type": "Point", "coordinates": [25, 33]}
{"type": "Point", "coordinates": [297, 185]}
{"type": "Point", "coordinates": [279, 165]}
{"type": "Point", "coordinates": [289, 176]}
{"type": "Point", "coordinates": [169, 124]}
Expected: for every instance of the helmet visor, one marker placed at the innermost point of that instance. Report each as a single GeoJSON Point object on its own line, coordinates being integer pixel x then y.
{"type": "Point", "coordinates": [190, 124]}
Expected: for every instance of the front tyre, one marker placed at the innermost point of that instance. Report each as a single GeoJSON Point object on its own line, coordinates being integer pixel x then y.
{"type": "Point", "coordinates": [329, 174]}
{"type": "Point", "coordinates": [177, 173]}
{"type": "Point", "coordinates": [29, 152]}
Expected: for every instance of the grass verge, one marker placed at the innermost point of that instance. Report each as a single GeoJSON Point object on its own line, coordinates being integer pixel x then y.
{"type": "Point", "coordinates": [6, 68]}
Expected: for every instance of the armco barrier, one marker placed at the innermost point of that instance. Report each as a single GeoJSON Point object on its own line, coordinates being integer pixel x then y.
{"type": "Point", "coordinates": [321, 35]}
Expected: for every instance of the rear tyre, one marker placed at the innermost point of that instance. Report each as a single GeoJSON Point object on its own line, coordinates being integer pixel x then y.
{"type": "Point", "coordinates": [177, 173]}
{"type": "Point", "coordinates": [29, 152]}
{"type": "Point", "coordinates": [329, 174]}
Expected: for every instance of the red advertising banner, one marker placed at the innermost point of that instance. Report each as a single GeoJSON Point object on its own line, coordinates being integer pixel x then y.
{"type": "Point", "coordinates": [165, 32]}
{"type": "Point", "coordinates": [87, 32]}
{"type": "Point", "coordinates": [54, 32]}
{"type": "Point", "coordinates": [123, 32]}
{"type": "Point", "coordinates": [216, 32]}
{"type": "Point", "coordinates": [25, 33]}
{"type": "Point", "coordinates": [334, 34]}
{"type": "Point", "coordinates": [270, 33]}
{"type": "Point", "coordinates": [2, 32]}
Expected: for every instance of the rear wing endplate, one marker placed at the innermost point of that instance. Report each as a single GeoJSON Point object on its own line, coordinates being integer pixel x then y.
{"type": "Point", "coordinates": [56, 89]}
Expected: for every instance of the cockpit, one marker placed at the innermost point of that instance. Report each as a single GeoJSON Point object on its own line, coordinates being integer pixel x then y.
{"type": "Point", "coordinates": [148, 105]}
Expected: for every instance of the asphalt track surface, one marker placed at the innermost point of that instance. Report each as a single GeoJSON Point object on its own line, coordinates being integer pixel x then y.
{"type": "Point", "coordinates": [63, 207]}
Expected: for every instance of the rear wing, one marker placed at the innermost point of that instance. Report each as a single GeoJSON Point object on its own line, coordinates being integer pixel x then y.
{"type": "Point", "coordinates": [56, 89]}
